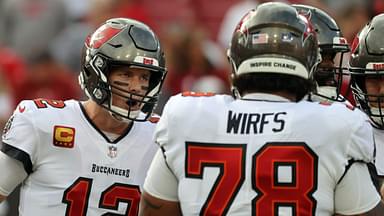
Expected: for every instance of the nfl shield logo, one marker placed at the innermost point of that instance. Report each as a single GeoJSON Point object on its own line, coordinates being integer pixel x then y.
{"type": "Point", "coordinates": [287, 37]}
{"type": "Point", "coordinates": [112, 151]}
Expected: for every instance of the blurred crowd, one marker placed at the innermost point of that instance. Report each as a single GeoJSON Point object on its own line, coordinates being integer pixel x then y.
{"type": "Point", "coordinates": [41, 40]}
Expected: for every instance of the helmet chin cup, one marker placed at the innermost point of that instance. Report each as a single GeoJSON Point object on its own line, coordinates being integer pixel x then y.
{"type": "Point", "coordinates": [327, 92]}
{"type": "Point", "coordinates": [99, 96]}
{"type": "Point", "coordinates": [123, 113]}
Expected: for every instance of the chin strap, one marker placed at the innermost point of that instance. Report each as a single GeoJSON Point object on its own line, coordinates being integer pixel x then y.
{"type": "Point", "coordinates": [123, 114]}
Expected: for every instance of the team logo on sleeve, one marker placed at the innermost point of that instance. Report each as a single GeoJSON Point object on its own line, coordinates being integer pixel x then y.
{"type": "Point", "coordinates": [63, 136]}
{"type": "Point", "coordinates": [21, 108]}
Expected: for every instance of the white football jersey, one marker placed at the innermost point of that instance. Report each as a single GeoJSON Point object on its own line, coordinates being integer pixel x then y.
{"type": "Point", "coordinates": [379, 160]}
{"type": "Point", "coordinates": [260, 155]}
{"type": "Point", "coordinates": [73, 167]}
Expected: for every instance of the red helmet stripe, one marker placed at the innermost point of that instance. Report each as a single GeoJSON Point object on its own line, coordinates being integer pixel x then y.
{"type": "Point", "coordinates": [101, 36]}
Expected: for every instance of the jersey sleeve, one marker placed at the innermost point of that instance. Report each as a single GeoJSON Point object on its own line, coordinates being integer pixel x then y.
{"type": "Point", "coordinates": [20, 138]}
{"type": "Point", "coordinates": [362, 145]}
{"type": "Point", "coordinates": [356, 193]}
{"type": "Point", "coordinates": [164, 124]}
{"type": "Point", "coordinates": [13, 174]}
{"type": "Point", "coordinates": [161, 131]}
{"type": "Point", "coordinates": [160, 181]}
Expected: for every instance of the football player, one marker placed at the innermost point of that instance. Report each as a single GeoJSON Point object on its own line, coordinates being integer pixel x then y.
{"type": "Point", "coordinates": [264, 151]}
{"type": "Point", "coordinates": [329, 73]}
{"type": "Point", "coordinates": [367, 83]}
{"type": "Point", "coordinates": [90, 157]}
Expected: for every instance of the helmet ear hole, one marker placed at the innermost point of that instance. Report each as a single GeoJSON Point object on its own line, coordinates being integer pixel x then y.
{"type": "Point", "coordinates": [104, 94]}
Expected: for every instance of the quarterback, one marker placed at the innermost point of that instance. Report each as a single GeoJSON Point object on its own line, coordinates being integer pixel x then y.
{"type": "Point", "coordinates": [89, 157]}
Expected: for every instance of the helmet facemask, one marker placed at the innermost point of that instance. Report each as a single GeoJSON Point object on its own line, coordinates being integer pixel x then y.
{"type": "Point", "coordinates": [366, 66]}
{"type": "Point", "coordinates": [329, 74]}
{"type": "Point", "coordinates": [139, 105]}
{"type": "Point", "coordinates": [371, 104]}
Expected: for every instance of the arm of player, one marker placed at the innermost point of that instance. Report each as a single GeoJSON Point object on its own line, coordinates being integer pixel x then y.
{"type": "Point", "coordinates": [377, 211]}
{"type": "Point", "coordinates": [356, 194]}
{"type": "Point", "coordinates": [12, 174]}
{"type": "Point", "coordinates": [150, 205]}
{"type": "Point", "coordinates": [160, 196]}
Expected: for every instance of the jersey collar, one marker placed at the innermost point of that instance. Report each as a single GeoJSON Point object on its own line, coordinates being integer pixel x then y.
{"type": "Point", "coordinates": [265, 97]}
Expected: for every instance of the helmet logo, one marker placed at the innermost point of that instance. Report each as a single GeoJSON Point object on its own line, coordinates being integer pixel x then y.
{"type": "Point", "coordinates": [241, 26]}
{"type": "Point", "coordinates": [102, 35]}
{"type": "Point", "coordinates": [355, 44]}
{"type": "Point", "coordinates": [309, 27]}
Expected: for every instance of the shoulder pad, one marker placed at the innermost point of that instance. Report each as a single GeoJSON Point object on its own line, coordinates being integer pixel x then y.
{"type": "Point", "coordinates": [350, 106]}
{"type": "Point", "coordinates": [197, 94]}
{"type": "Point", "coordinates": [325, 103]}
{"type": "Point", "coordinates": [154, 119]}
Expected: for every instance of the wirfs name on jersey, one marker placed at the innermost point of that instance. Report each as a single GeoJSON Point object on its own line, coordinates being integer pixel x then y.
{"type": "Point", "coordinates": [110, 170]}
{"type": "Point", "coordinates": [256, 123]}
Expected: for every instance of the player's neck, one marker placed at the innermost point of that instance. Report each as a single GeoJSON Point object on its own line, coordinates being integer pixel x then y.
{"type": "Point", "coordinates": [103, 119]}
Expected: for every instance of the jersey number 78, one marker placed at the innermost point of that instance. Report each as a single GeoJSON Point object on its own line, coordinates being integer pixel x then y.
{"type": "Point", "coordinates": [284, 175]}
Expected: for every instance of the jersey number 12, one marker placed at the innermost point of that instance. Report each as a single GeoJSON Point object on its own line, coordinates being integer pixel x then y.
{"type": "Point", "coordinates": [77, 196]}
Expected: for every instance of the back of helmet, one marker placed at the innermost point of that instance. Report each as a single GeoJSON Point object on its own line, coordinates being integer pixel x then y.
{"type": "Point", "coordinates": [271, 47]}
